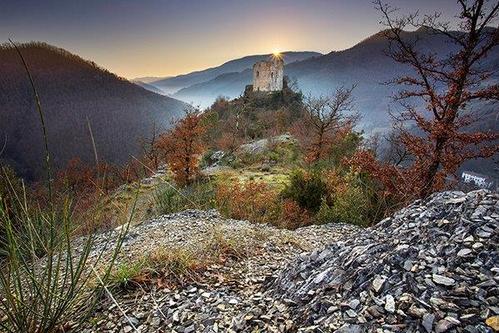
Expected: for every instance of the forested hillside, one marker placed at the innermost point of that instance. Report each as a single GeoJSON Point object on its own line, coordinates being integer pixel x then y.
{"type": "Point", "coordinates": [74, 94]}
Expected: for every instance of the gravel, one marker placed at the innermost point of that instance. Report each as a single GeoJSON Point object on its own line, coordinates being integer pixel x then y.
{"type": "Point", "coordinates": [431, 267]}
{"type": "Point", "coordinates": [230, 295]}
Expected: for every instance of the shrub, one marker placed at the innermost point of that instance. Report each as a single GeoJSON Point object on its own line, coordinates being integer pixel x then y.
{"type": "Point", "coordinates": [286, 153]}
{"type": "Point", "coordinates": [348, 199]}
{"type": "Point", "coordinates": [198, 195]}
{"type": "Point", "coordinates": [350, 206]}
{"type": "Point", "coordinates": [292, 215]}
{"type": "Point", "coordinates": [253, 201]}
{"type": "Point", "coordinates": [305, 188]}
{"type": "Point", "coordinates": [44, 278]}
{"type": "Point", "coordinates": [325, 214]}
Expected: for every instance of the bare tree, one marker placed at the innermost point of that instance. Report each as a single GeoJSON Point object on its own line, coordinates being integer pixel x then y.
{"type": "Point", "coordinates": [150, 150]}
{"type": "Point", "coordinates": [324, 117]}
{"type": "Point", "coordinates": [450, 88]}
{"type": "Point", "coordinates": [395, 152]}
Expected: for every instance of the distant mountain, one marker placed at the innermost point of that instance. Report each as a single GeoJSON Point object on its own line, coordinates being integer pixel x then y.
{"type": "Point", "coordinates": [365, 65]}
{"type": "Point", "coordinates": [149, 79]}
{"type": "Point", "coordinates": [148, 86]}
{"type": "Point", "coordinates": [72, 90]}
{"type": "Point", "coordinates": [368, 67]}
{"type": "Point", "coordinates": [174, 84]}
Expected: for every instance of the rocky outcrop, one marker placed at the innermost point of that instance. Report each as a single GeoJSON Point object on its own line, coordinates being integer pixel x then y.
{"type": "Point", "coordinates": [263, 145]}
{"type": "Point", "coordinates": [432, 267]}
{"type": "Point", "coordinates": [228, 296]}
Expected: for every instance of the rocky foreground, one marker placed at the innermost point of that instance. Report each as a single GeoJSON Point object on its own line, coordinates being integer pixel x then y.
{"type": "Point", "coordinates": [432, 267]}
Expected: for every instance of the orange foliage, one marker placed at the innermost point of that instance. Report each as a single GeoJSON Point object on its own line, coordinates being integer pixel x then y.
{"type": "Point", "coordinates": [183, 146]}
{"type": "Point", "coordinates": [137, 169]}
{"type": "Point", "coordinates": [335, 183]}
{"type": "Point", "coordinates": [292, 216]}
{"type": "Point", "coordinates": [107, 176]}
{"type": "Point", "coordinates": [394, 180]}
{"type": "Point", "coordinates": [76, 176]}
{"type": "Point", "coordinates": [253, 201]}
{"type": "Point", "coordinates": [258, 202]}
{"type": "Point", "coordinates": [448, 88]}
{"type": "Point", "coordinates": [228, 142]}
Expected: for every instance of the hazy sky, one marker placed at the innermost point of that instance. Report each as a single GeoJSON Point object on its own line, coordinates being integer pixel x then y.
{"type": "Point", "coordinates": [166, 37]}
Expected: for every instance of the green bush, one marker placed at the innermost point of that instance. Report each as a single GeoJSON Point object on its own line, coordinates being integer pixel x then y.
{"type": "Point", "coordinates": [325, 214]}
{"type": "Point", "coordinates": [307, 189]}
{"type": "Point", "coordinates": [351, 206]}
{"type": "Point", "coordinates": [283, 153]}
{"type": "Point", "coordinates": [199, 195]}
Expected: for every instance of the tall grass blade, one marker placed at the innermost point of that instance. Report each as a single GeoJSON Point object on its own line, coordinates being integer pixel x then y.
{"type": "Point", "coordinates": [42, 119]}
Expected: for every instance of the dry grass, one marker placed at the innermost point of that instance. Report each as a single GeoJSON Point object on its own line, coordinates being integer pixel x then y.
{"type": "Point", "coordinates": [253, 201]}
{"type": "Point", "coordinates": [276, 177]}
{"type": "Point", "coordinates": [179, 266]}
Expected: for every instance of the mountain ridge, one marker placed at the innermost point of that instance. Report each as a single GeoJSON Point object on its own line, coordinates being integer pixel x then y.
{"type": "Point", "coordinates": [173, 84]}
{"type": "Point", "coordinates": [365, 65]}
{"type": "Point", "coordinates": [75, 94]}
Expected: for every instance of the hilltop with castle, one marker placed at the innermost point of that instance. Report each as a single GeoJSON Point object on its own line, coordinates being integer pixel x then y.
{"type": "Point", "coordinates": [268, 75]}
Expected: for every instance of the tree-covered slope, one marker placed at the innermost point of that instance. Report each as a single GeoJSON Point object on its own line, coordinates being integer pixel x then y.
{"type": "Point", "coordinates": [72, 91]}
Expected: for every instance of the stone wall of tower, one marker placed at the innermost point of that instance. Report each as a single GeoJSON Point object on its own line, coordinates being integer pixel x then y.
{"type": "Point", "coordinates": [268, 75]}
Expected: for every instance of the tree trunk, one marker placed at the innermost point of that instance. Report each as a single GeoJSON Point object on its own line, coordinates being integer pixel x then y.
{"type": "Point", "coordinates": [429, 176]}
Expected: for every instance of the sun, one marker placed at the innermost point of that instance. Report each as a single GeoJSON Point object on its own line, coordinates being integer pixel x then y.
{"type": "Point", "coordinates": [276, 53]}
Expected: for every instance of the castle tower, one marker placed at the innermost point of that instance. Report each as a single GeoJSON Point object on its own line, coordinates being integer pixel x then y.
{"type": "Point", "coordinates": [268, 75]}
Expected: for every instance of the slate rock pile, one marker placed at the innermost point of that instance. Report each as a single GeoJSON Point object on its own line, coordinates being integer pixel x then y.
{"type": "Point", "coordinates": [432, 267]}
{"type": "Point", "coordinates": [228, 297]}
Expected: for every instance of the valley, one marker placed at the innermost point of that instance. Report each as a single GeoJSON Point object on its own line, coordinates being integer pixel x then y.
{"type": "Point", "coordinates": [166, 167]}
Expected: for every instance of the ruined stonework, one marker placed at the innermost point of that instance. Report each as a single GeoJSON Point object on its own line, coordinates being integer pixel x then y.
{"type": "Point", "coordinates": [268, 75]}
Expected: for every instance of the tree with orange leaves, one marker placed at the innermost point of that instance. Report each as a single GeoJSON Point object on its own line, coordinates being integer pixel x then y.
{"type": "Point", "coordinates": [77, 177]}
{"type": "Point", "coordinates": [450, 89]}
{"type": "Point", "coordinates": [183, 146]}
{"type": "Point", "coordinates": [325, 120]}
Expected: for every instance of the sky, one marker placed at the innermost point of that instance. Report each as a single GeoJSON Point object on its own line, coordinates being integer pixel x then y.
{"type": "Point", "coordinates": [135, 38]}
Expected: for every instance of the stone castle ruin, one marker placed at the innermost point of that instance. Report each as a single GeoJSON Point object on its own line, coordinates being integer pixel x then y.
{"type": "Point", "coordinates": [268, 75]}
